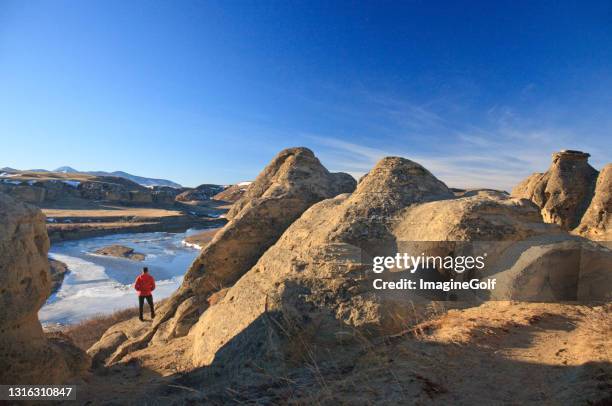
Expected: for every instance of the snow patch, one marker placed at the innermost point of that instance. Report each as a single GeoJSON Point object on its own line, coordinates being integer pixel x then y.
{"type": "Point", "coordinates": [191, 245]}
{"type": "Point", "coordinates": [13, 182]}
{"type": "Point", "coordinates": [73, 183]}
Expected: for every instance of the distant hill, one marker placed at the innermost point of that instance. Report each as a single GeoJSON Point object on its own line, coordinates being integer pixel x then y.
{"type": "Point", "coordinates": [65, 169]}
{"type": "Point", "coordinates": [144, 181]}
{"type": "Point", "coordinates": [138, 179]}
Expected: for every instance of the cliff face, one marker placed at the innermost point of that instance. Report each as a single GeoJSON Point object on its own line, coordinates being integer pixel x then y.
{"type": "Point", "coordinates": [37, 188]}
{"type": "Point", "coordinates": [27, 356]}
{"type": "Point", "coordinates": [564, 192]}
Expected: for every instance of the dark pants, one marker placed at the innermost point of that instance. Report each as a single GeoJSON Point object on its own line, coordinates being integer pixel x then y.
{"type": "Point", "coordinates": [141, 300]}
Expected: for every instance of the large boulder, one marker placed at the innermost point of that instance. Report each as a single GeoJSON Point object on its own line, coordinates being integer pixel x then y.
{"type": "Point", "coordinates": [27, 356]}
{"type": "Point", "coordinates": [564, 192]}
{"type": "Point", "coordinates": [596, 223]}
{"type": "Point", "coordinates": [293, 181]}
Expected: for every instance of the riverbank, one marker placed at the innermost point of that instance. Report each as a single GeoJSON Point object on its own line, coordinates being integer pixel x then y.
{"type": "Point", "coordinates": [73, 220]}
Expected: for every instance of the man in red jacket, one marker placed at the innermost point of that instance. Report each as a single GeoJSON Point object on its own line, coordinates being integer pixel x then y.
{"type": "Point", "coordinates": [144, 285]}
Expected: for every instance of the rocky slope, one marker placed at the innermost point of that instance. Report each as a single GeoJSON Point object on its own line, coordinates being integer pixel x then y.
{"type": "Point", "coordinates": [27, 355]}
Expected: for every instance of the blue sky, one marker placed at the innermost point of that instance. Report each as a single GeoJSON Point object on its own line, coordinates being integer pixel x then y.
{"type": "Point", "coordinates": [481, 93]}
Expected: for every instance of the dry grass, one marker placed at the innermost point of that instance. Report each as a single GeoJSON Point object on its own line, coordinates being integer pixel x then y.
{"type": "Point", "coordinates": [111, 211]}
{"type": "Point", "coordinates": [85, 333]}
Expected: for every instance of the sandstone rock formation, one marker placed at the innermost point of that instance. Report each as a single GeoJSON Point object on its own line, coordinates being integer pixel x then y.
{"type": "Point", "coordinates": [309, 293]}
{"type": "Point", "coordinates": [292, 182]}
{"type": "Point", "coordinates": [312, 281]}
{"type": "Point", "coordinates": [596, 223]}
{"type": "Point", "coordinates": [564, 192]}
{"type": "Point", "coordinates": [120, 251]}
{"type": "Point", "coordinates": [26, 355]}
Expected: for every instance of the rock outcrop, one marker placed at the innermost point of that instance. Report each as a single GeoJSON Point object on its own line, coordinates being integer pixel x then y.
{"type": "Point", "coordinates": [26, 193]}
{"type": "Point", "coordinates": [596, 223]}
{"type": "Point", "coordinates": [31, 188]}
{"type": "Point", "coordinates": [200, 193]}
{"type": "Point", "coordinates": [58, 271]}
{"type": "Point", "coordinates": [26, 355]}
{"type": "Point", "coordinates": [564, 192]}
{"type": "Point", "coordinates": [293, 181]}
{"type": "Point", "coordinates": [120, 251]}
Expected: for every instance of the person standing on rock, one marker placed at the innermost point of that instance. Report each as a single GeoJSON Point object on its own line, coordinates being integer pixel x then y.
{"type": "Point", "coordinates": [145, 285]}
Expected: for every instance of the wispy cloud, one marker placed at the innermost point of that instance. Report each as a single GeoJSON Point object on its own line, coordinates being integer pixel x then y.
{"type": "Point", "coordinates": [498, 155]}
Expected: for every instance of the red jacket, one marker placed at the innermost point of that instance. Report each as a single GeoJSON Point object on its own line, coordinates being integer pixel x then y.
{"type": "Point", "coordinates": [144, 284]}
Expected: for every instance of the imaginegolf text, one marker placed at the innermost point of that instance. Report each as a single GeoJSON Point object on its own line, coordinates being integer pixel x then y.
{"type": "Point", "coordinates": [446, 286]}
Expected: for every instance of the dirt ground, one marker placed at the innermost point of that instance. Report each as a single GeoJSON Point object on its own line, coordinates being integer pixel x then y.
{"type": "Point", "coordinates": [497, 353]}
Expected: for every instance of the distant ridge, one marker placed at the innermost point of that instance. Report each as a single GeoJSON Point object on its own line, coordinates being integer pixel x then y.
{"type": "Point", "coordinates": [144, 181]}
{"type": "Point", "coordinates": [138, 179]}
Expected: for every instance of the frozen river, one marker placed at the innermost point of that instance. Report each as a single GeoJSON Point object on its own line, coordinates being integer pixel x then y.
{"type": "Point", "coordinates": [99, 285]}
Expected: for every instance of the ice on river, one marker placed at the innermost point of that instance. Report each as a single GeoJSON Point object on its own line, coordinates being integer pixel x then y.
{"type": "Point", "coordinates": [99, 285]}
